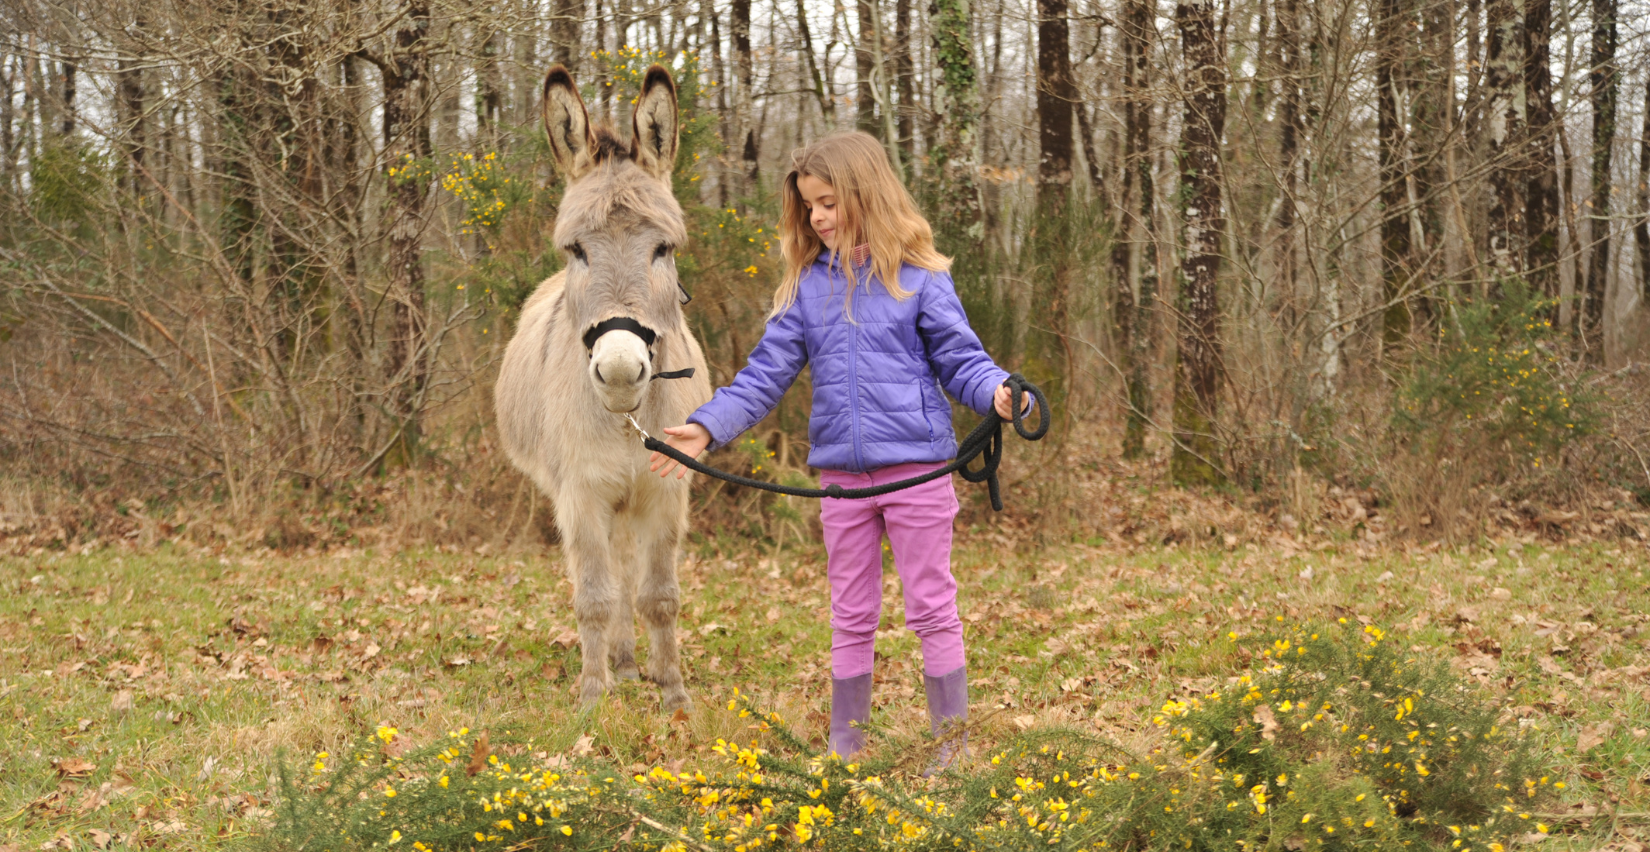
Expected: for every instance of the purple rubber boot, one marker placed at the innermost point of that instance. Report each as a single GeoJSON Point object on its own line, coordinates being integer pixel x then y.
{"type": "Point", "coordinates": [948, 716]}
{"type": "Point", "coordinates": [850, 706]}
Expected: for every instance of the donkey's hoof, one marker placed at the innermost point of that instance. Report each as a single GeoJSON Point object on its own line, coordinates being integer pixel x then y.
{"type": "Point", "coordinates": [676, 700]}
{"type": "Point", "coordinates": [630, 672]}
{"type": "Point", "coordinates": [591, 691]}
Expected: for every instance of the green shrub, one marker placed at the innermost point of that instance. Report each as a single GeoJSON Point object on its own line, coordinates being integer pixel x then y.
{"type": "Point", "coordinates": [1335, 740]}
{"type": "Point", "coordinates": [1494, 402]}
{"type": "Point", "coordinates": [1497, 378]}
{"type": "Point", "coordinates": [66, 181]}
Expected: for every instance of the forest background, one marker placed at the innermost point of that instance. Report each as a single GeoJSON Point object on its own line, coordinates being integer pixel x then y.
{"type": "Point", "coordinates": [1377, 264]}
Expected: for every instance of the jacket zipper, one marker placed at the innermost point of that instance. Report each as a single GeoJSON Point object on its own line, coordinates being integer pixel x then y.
{"type": "Point", "coordinates": [853, 393]}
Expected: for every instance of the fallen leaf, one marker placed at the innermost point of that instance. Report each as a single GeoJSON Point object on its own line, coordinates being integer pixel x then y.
{"type": "Point", "coordinates": [1268, 722]}
{"type": "Point", "coordinates": [566, 639]}
{"type": "Point", "coordinates": [458, 661]}
{"type": "Point", "coordinates": [100, 839]}
{"type": "Point", "coordinates": [123, 701]}
{"type": "Point", "coordinates": [1593, 736]}
{"type": "Point", "coordinates": [679, 717]}
{"type": "Point", "coordinates": [1025, 722]}
{"type": "Point", "coordinates": [1500, 594]}
{"type": "Point", "coordinates": [583, 745]}
{"type": "Point", "coordinates": [74, 767]}
{"type": "Point", "coordinates": [478, 755]}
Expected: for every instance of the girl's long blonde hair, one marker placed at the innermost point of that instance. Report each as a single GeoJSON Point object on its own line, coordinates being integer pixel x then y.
{"type": "Point", "coordinates": [873, 209]}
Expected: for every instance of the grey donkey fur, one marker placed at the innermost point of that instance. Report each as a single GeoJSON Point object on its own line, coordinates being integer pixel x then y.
{"type": "Point", "coordinates": [560, 409]}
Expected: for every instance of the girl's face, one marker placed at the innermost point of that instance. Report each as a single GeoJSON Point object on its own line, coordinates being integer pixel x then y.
{"type": "Point", "coordinates": [819, 199]}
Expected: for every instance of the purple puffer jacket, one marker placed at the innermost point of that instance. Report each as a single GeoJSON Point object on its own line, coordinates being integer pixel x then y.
{"type": "Point", "coordinates": [877, 378]}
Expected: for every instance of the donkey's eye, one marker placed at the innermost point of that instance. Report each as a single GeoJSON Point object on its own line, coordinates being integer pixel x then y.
{"type": "Point", "coordinates": [577, 251]}
{"type": "Point", "coordinates": [660, 252]}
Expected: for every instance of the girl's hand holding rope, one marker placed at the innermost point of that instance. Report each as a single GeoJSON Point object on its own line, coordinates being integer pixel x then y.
{"type": "Point", "coordinates": [691, 439]}
{"type": "Point", "coordinates": [1003, 402]}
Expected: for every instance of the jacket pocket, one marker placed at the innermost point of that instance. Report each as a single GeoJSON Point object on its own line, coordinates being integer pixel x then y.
{"type": "Point", "coordinates": [922, 406]}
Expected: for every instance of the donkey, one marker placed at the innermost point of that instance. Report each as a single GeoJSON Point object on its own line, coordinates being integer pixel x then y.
{"type": "Point", "coordinates": [590, 341]}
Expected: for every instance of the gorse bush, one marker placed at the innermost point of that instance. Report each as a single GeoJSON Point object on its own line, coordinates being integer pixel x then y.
{"type": "Point", "coordinates": [1497, 374]}
{"type": "Point", "coordinates": [1495, 402]}
{"type": "Point", "coordinates": [1335, 740]}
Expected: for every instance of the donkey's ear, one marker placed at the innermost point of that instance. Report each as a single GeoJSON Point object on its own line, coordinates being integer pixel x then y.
{"type": "Point", "coordinates": [655, 123]}
{"type": "Point", "coordinates": [567, 124]}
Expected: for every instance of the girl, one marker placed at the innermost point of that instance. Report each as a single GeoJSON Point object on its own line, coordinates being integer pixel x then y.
{"type": "Point", "coordinates": [868, 302]}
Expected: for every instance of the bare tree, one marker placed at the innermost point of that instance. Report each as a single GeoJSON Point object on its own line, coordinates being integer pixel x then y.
{"type": "Point", "coordinates": [1505, 121]}
{"type": "Point", "coordinates": [1538, 157]}
{"type": "Point", "coordinates": [1602, 93]}
{"type": "Point", "coordinates": [1197, 361]}
{"type": "Point", "coordinates": [1134, 259]}
{"type": "Point", "coordinates": [406, 70]}
{"type": "Point", "coordinates": [957, 104]}
{"type": "Point", "coordinates": [1392, 50]}
{"type": "Point", "coordinates": [1641, 227]}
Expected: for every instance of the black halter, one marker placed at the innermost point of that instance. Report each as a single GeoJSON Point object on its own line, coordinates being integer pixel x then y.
{"type": "Point", "coordinates": [647, 335]}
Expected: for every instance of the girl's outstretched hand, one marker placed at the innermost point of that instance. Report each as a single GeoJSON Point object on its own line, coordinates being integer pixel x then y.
{"type": "Point", "coordinates": [691, 440]}
{"type": "Point", "coordinates": [1004, 403]}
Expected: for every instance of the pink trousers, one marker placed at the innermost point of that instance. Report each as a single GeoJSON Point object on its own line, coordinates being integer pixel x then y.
{"type": "Point", "coordinates": [917, 522]}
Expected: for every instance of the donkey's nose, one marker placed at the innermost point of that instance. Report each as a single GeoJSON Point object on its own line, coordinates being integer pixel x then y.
{"type": "Point", "coordinates": [599, 374]}
{"type": "Point", "coordinates": [641, 374]}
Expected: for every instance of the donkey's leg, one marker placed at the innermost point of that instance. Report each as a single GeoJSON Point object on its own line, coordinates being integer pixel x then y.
{"type": "Point", "coordinates": [586, 523]}
{"type": "Point", "coordinates": [621, 631]}
{"type": "Point", "coordinates": [659, 599]}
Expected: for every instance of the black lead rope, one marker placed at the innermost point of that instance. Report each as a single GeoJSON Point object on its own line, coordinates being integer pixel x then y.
{"type": "Point", "coordinates": [985, 441]}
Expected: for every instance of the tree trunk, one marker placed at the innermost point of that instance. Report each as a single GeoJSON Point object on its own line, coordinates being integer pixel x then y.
{"type": "Point", "coordinates": [66, 81]}
{"type": "Point", "coordinates": [1197, 360]}
{"type": "Point", "coordinates": [865, 72]}
{"type": "Point", "coordinates": [129, 102]}
{"type": "Point", "coordinates": [565, 28]}
{"type": "Point", "coordinates": [407, 152]}
{"type": "Point", "coordinates": [1641, 229]}
{"type": "Point", "coordinates": [1056, 92]}
{"type": "Point", "coordinates": [1602, 86]}
{"type": "Point", "coordinates": [827, 103]}
{"type": "Point", "coordinates": [744, 67]}
{"type": "Point", "coordinates": [1289, 133]}
{"type": "Point", "coordinates": [1505, 120]}
{"type": "Point", "coordinates": [237, 128]}
{"type": "Point", "coordinates": [904, 78]}
{"type": "Point", "coordinates": [1539, 160]}
{"type": "Point", "coordinates": [1391, 43]}
{"type": "Point", "coordinates": [1431, 117]}
{"type": "Point", "coordinates": [957, 102]}
{"type": "Point", "coordinates": [1091, 157]}
{"type": "Point", "coordinates": [1135, 304]}
{"type": "Point", "coordinates": [719, 81]}
{"type": "Point", "coordinates": [8, 144]}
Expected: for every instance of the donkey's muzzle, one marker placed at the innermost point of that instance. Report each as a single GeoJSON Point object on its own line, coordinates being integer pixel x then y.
{"type": "Point", "coordinates": [648, 336]}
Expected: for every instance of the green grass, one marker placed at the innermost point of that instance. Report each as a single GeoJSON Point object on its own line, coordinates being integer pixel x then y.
{"type": "Point", "coordinates": [182, 676]}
